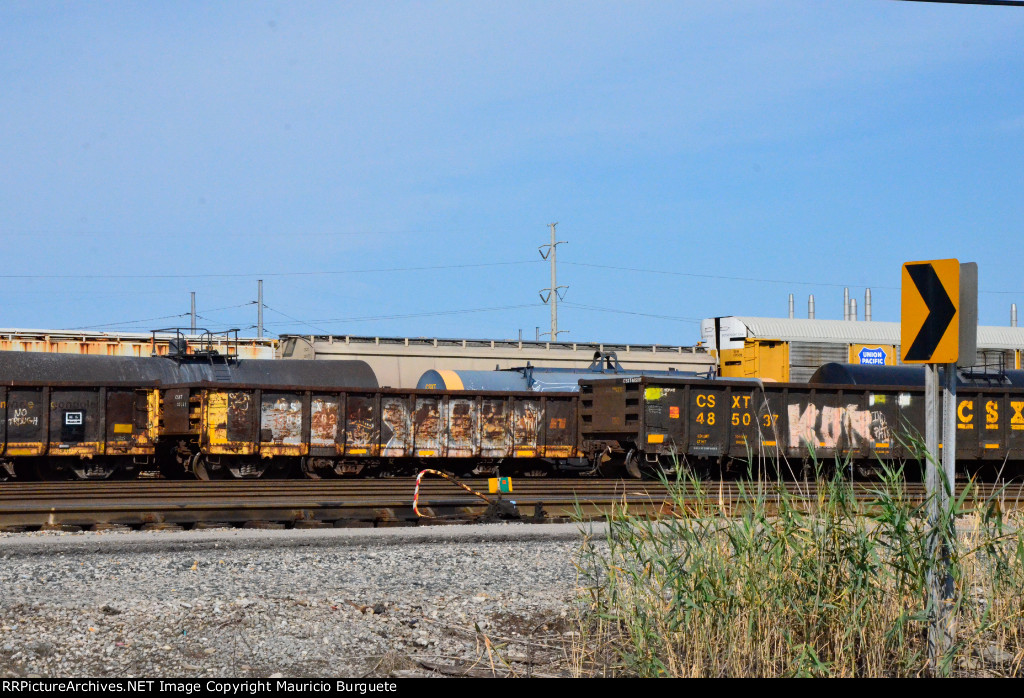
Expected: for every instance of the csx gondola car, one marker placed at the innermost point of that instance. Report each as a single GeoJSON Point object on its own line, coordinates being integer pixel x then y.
{"type": "Point", "coordinates": [715, 425]}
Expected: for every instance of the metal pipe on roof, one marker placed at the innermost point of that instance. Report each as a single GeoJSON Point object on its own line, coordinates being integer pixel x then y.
{"type": "Point", "coordinates": [1013, 314]}
{"type": "Point", "coordinates": [853, 309]}
{"type": "Point", "coordinates": [791, 308]}
{"type": "Point", "coordinates": [867, 305]}
{"type": "Point", "coordinates": [810, 307]}
{"type": "Point", "coordinates": [846, 303]}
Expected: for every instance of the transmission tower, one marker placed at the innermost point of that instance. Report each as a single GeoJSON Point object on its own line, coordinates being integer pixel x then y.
{"type": "Point", "coordinates": [553, 293]}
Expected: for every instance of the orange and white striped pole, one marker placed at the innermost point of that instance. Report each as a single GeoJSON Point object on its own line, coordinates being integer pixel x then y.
{"type": "Point", "coordinates": [446, 476]}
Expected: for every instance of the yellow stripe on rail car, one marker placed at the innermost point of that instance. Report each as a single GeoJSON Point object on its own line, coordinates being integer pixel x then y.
{"type": "Point", "coordinates": [991, 445]}
{"type": "Point", "coordinates": [451, 380]}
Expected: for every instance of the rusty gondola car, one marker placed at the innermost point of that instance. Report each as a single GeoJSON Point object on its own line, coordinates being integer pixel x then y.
{"type": "Point", "coordinates": [96, 416]}
{"type": "Point", "coordinates": [197, 413]}
{"type": "Point", "coordinates": [385, 431]}
{"type": "Point", "coordinates": [254, 430]}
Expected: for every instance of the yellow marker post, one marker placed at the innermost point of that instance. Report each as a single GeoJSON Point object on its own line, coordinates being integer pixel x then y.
{"type": "Point", "coordinates": [499, 484]}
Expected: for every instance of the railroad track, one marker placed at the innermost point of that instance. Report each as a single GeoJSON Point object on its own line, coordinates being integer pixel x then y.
{"type": "Point", "coordinates": [388, 502]}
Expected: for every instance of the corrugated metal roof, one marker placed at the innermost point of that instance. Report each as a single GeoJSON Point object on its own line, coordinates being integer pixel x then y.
{"type": "Point", "coordinates": [990, 337]}
{"type": "Point", "coordinates": [859, 332]}
{"type": "Point", "coordinates": [804, 330]}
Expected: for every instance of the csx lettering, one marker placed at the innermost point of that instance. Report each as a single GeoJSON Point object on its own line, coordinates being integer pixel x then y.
{"type": "Point", "coordinates": [1018, 412]}
{"type": "Point", "coordinates": [964, 411]}
{"type": "Point", "coordinates": [736, 401]}
{"type": "Point", "coordinates": [705, 400]}
{"type": "Point", "coordinates": [991, 415]}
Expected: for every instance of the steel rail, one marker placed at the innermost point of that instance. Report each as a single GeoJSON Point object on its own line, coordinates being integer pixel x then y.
{"type": "Point", "coordinates": [389, 502]}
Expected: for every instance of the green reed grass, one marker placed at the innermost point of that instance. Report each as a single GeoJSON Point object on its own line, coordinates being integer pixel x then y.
{"type": "Point", "coordinates": [785, 585]}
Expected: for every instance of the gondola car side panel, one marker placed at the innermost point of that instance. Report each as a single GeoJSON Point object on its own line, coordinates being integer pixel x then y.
{"type": "Point", "coordinates": [27, 418]}
{"type": "Point", "coordinates": [231, 421]}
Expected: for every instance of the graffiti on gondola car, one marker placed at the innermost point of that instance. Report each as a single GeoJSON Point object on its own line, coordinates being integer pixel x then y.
{"type": "Point", "coordinates": [526, 427]}
{"type": "Point", "coordinates": [828, 426]}
{"type": "Point", "coordinates": [281, 419]}
{"type": "Point", "coordinates": [362, 435]}
{"type": "Point", "coordinates": [494, 428]}
{"type": "Point", "coordinates": [462, 442]}
{"type": "Point", "coordinates": [324, 421]}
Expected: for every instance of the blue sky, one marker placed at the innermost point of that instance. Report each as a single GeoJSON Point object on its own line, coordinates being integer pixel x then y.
{"type": "Point", "coordinates": [390, 168]}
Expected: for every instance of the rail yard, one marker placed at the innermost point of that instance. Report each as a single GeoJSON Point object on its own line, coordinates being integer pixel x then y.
{"type": "Point", "coordinates": [198, 435]}
{"type": "Point", "coordinates": [267, 516]}
{"type": "Point", "coordinates": [200, 411]}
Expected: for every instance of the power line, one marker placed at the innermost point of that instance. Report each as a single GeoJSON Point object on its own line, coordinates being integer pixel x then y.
{"type": "Point", "coordinates": [1008, 3]}
{"type": "Point", "coordinates": [301, 322]}
{"type": "Point", "coordinates": [309, 323]}
{"type": "Point", "coordinates": [722, 277]}
{"type": "Point", "coordinates": [152, 319]}
{"type": "Point", "coordinates": [633, 312]}
{"type": "Point", "coordinates": [790, 282]}
{"type": "Point", "coordinates": [128, 322]}
{"type": "Point", "coordinates": [262, 274]}
{"type": "Point", "coordinates": [373, 318]}
{"type": "Point", "coordinates": [434, 313]}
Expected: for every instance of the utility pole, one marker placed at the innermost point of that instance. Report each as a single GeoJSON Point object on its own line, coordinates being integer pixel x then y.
{"type": "Point", "coordinates": [259, 313]}
{"type": "Point", "coordinates": [193, 312]}
{"type": "Point", "coordinates": [553, 292]}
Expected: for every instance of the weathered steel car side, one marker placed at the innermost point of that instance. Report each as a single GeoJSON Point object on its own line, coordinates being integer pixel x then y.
{"type": "Point", "coordinates": [85, 430]}
{"type": "Point", "coordinates": [209, 416]}
{"type": "Point", "coordinates": [94, 416]}
{"type": "Point", "coordinates": [326, 432]}
{"type": "Point", "coordinates": [729, 422]}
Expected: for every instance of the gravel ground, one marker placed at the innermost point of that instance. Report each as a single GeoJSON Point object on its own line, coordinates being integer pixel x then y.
{"type": "Point", "coordinates": [252, 603]}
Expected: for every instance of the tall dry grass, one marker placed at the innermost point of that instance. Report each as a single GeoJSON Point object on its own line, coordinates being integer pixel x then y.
{"type": "Point", "coordinates": [791, 587]}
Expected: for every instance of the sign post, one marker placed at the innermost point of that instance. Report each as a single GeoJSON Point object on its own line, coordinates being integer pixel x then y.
{"type": "Point", "coordinates": [939, 326]}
